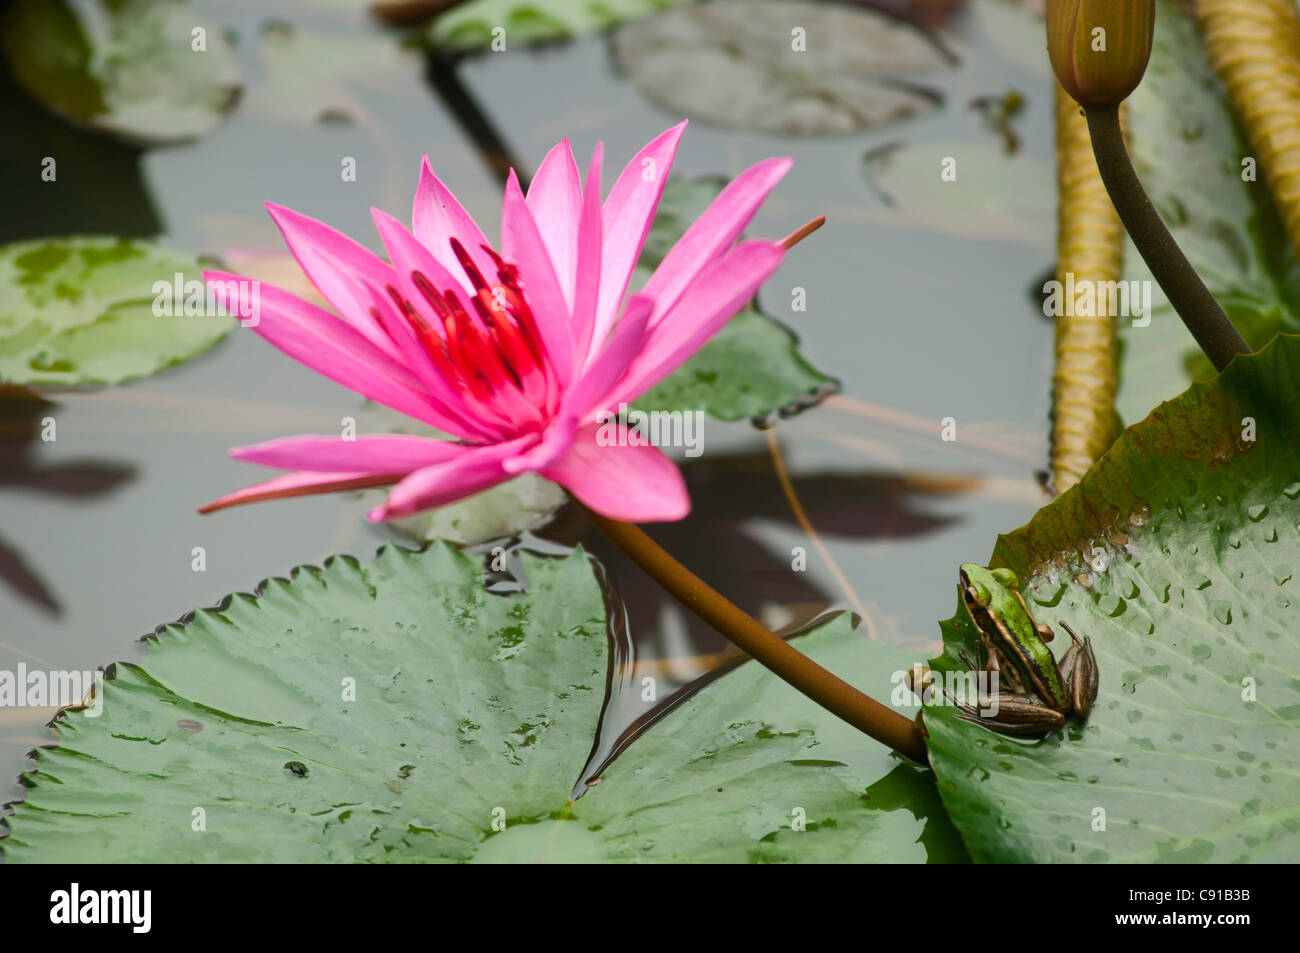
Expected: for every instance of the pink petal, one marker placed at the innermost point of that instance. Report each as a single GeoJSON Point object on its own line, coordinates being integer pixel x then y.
{"type": "Point", "coordinates": [368, 453]}
{"type": "Point", "coordinates": [627, 216]}
{"type": "Point", "coordinates": [633, 484]}
{"type": "Point", "coordinates": [329, 346]}
{"type": "Point", "coordinates": [335, 264]}
{"type": "Point", "coordinates": [555, 443]}
{"type": "Point", "coordinates": [590, 240]}
{"type": "Point", "coordinates": [476, 469]}
{"type": "Point", "coordinates": [438, 218]}
{"type": "Point", "coordinates": [713, 232]}
{"type": "Point", "coordinates": [555, 199]}
{"type": "Point", "coordinates": [586, 396]}
{"type": "Point", "coordinates": [301, 484]}
{"type": "Point", "coordinates": [521, 243]}
{"type": "Point", "coordinates": [709, 302]}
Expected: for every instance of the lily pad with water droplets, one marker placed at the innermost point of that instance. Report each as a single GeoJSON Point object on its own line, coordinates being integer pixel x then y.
{"type": "Point", "coordinates": [398, 711]}
{"type": "Point", "coordinates": [81, 310]}
{"type": "Point", "coordinates": [784, 67]}
{"type": "Point", "coordinates": [147, 71]}
{"type": "Point", "coordinates": [1176, 554]}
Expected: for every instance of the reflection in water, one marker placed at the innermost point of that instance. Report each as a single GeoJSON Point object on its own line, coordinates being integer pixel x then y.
{"type": "Point", "coordinates": [25, 415]}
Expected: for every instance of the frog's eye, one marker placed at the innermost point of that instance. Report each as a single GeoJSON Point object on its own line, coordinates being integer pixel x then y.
{"type": "Point", "coordinates": [978, 593]}
{"type": "Point", "coordinates": [1006, 577]}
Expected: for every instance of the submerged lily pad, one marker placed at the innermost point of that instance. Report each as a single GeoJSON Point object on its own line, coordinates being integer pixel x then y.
{"type": "Point", "coordinates": [751, 368]}
{"type": "Point", "coordinates": [1176, 555]}
{"type": "Point", "coordinates": [397, 711]}
{"type": "Point", "coordinates": [1206, 185]}
{"type": "Point", "coordinates": [781, 66]}
{"type": "Point", "coordinates": [469, 27]}
{"type": "Point", "coordinates": [970, 189]}
{"type": "Point", "coordinates": [148, 71]}
{"type": "Point", "coordinates": [82, 311]}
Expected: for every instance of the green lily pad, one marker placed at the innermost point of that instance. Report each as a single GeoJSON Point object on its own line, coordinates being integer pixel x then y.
{"type": "Point", "coordinates": [752, 368]}
{"type": "Point", "coordinates": [468, 27]}
{"type": "Point", "coordinates": [781, 66]}
{"type": "Point", "coordinates": [82, 311]}
{"type": "Point", "coordinates": [147, 71]}
{"type": "Point", "coordinates": [398, 711]}
{"type": "Point", "coordinates": [725, 777]}
{"type": "Point", "coordinates": [1189, 154]}
{"type": "Point", "coordinates": [1176, 554]}
{"type": "Point", "coordinates": [377, 712]}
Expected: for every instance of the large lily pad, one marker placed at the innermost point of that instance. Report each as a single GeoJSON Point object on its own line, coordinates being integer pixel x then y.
{"type": "Point", "coordinates": [781, 66]}
{"type": "Point", "coordinates": [463, 702]}
{"type": "Point", "coordinates": [81, 311]}
{"type": "Point", "coordinates": [723, 778]}
{"type": "Point", "coordinates": [1177, 555]}
{"type": "Point", "coordinates": [752, 367]}
{"type": "Point", "coordinates": [469, 27]}
{"type": "Point", "coordinates": [1189, 154]}
{"type": "Point", "coordinates": [236, 738]}
{"type": "Point", "coordinates": [136, 69]}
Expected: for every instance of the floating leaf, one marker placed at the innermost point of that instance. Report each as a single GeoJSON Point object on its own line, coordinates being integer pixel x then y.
{"type": "Point", "coordinates": [125, 67]}
{"type": "Point", "coordinates": [1176, 555]}
{"type": "Point", "coordinates": [1193, 162]}
{"type": "Point", "coordinates": [780, 66]}
{"type": "Point", "coordinates": [81, 311]}
{"type": "Point", "coordinates": [355, 713]}
{"type": "Point", "coordinates": [394, 711]}
{"type": "Point", "coordinates": [729, 776]}
{"type": "Point", "coordinates": [752, 367]}
{"type": "Point", "coordinates": [471, 27]}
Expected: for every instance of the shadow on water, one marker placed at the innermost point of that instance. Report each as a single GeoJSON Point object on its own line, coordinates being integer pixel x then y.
{"type": "Point", "coordinates": [25, 416]}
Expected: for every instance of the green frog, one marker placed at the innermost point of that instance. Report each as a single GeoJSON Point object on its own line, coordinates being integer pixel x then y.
{"type": "Point", "coordinates": [1035, 693]}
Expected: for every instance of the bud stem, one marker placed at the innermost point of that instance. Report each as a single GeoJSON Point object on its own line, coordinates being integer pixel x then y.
{"type": "Point", "coordinates": [774, 653]}
{"type": "Point", "coordinates": [1209, 325]}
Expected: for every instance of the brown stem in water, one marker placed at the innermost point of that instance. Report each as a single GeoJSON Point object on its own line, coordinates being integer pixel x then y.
{"type": "Point", "coordinates": [778, 656]}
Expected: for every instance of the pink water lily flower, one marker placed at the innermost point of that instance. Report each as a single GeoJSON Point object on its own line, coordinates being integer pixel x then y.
{"type": "Point", "coordinates": [516, 352]}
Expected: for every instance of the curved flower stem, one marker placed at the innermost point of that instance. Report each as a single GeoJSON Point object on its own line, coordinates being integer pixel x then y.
{"type": "Point", "coordinates": [831, 692]}
{"type": "Point", "coordinates": [1215, 334]}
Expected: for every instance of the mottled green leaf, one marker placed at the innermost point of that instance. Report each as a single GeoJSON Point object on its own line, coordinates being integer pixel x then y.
{"type": "Point", "coordinates": [81, 311]}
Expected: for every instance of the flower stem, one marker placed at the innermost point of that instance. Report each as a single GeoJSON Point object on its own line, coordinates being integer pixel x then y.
{"type": "Point", "coordinates": [1215, 334]}
{"type": "Point", "coordinates": [831, 692]}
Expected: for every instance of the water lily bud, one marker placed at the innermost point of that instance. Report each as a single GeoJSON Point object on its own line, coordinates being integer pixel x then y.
{"type": "Point", "coordinates": [1100, 48]}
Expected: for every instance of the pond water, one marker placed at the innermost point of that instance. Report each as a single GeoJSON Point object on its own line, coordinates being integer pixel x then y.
{"type": "Point", "coordinates": [920, 325]}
